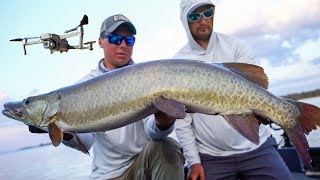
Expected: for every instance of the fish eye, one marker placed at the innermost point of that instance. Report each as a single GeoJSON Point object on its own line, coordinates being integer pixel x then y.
{"type": "Point", "coordinates": [27, 101]}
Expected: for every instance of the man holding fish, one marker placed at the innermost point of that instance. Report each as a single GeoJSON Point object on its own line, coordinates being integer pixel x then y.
{"type": "Point", "coordinates": [140, 150]}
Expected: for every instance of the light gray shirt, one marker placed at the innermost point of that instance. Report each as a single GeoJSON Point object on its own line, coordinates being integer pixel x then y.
{"type": "Point", "coordinates": [208, 134]}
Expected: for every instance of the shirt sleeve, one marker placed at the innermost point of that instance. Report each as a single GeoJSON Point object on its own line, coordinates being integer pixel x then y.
{"type": "Point", "coordinates": [153, 131]}
{"type": "Point", "coordinates": [243, 54]}
{"type": "Point", "coordinates": [186, 138]}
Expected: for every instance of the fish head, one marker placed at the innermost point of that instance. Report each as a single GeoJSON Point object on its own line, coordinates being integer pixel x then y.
{"type": "Point", "coordinates": [36, 110]}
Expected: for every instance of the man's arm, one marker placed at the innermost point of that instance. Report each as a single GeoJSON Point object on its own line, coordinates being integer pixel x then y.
{"type": "Point", "coordinates": [159, 126]}
{"type": "Point", "coordinates": [186, 138]}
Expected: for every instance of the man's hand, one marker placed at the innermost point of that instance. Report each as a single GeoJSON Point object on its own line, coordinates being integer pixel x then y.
{"type": "Point", "coordinates": [33, 129]}
{"type": "Point", "coordinates": [66, 137]}
{"type": "Point", "coordinates": [196, 172]}
{"type": "Point", "coordinates": [163, 121]}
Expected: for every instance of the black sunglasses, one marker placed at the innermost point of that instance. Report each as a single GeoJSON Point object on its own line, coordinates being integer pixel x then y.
{"type": "Point", "coordinates": [117, 40]}
{"type": "Point", "coordinates": [194, 17]}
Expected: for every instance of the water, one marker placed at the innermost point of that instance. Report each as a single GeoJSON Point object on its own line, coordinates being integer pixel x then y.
{"type": "Point", "coordinates": [46, 162]}
{"type": "Point", "coordinates": [21, 157]}
{"type": "Point", "coordinates": [24, 155]}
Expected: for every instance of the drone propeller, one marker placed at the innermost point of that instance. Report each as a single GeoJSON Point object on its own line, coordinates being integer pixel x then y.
{"type": "Point", "coordinates": [84, 21]}
{"type": "Point", "coordinates": [21, 39]}
{"type": "Point", "coordinates": [17, 39]}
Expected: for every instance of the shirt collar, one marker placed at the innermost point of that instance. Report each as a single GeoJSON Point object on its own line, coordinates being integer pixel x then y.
{"type": "Point", "coordinates": [103, 68]}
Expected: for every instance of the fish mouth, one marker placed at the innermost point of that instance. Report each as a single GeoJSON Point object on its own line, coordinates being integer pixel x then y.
{"type": "Point", "coordinates": [13, 110]}
{"type": "Point", "coordinates": [10, 114]}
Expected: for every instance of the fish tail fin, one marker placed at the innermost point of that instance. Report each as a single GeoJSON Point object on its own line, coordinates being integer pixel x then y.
{"type": "Point", "coordinates": [310, 116]}
{"type": "Point", "coordinates": [308, 120]}
{"type": "Point", "coordinates": [299, 141]}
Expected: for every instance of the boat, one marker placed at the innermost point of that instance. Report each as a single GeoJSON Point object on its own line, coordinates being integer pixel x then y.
{"type": "Point", "coordinates": [293, 161]}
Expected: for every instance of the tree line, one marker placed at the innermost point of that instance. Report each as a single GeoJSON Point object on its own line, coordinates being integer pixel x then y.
{"type": "Point", "coordinates": [303, 95]}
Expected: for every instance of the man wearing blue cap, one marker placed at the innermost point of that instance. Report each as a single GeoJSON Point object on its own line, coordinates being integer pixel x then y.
{"type": "Point", "coordinates": [140, 150]}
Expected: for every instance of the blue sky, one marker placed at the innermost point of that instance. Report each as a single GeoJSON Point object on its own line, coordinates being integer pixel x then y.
{"type": "Point", "coordinates": [284, 34]}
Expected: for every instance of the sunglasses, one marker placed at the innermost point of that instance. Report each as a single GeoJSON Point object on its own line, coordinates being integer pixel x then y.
{"type": "Point", "coordinates": [194, 17]}
{"type": "Point", "coordinates": [117, 40]}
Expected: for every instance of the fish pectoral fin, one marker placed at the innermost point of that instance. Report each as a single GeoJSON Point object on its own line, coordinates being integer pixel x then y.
{"type": "Point", "coordinates": [55, 134]}
{"type": "Point", "coordinates": [247, 125]}
{"type": "Point", "coordinates": [170, 107]}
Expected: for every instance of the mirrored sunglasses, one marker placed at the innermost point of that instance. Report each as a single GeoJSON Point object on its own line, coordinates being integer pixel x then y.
{"type": "Point", "coordinates": [194, 17]}
{"type": "Point", "coordinates": [117, 40]}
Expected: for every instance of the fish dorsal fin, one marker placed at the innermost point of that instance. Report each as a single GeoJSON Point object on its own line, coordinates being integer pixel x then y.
{"type": "Point", "coordinates": [247, 125]}
{"type": "Point", "coordinates": [251, 72]}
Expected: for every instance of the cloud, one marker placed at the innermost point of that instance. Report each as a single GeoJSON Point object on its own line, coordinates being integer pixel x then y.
{"type": "Point", "coordinates": [273, 28]}
{"type": "Point", "coordinates": [296, 73]}
{"type": "Point", "coordinates": [3, 95]}
{"type": "Point", "coordinates": [300, 71]}
{"type": "Point", "coordinates": [271, 17]}
{"type": "Point", "coordinates": [299, 85]}
{"type": "Point", "coordinates": [309, 50]}
{"type": "Point", "coordinates": [284, 34]}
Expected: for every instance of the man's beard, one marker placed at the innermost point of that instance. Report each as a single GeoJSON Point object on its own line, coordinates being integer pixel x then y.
{"type": "Point", "coordinates": [203, 36]}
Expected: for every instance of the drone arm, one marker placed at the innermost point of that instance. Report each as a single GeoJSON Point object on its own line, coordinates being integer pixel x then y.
{"type": "Point", "coordinates": [80, 37]}
{"type": "Point", "coordinates": [31, 42]}
{"type": "Point", "coordinates": [65, 36]}
{"type": "Point", "coordinates": [78, 32]}
{"type": "Point", "coordinates": [70, 30]}
{"type": "Point", "coordinates": [26, 42]}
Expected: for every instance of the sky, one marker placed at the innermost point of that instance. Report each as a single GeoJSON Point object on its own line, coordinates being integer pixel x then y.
{"type": "Point", "coordinates": [283, 34]}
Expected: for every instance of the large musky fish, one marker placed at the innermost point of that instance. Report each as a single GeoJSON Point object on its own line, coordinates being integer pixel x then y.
{"type": "Point", "coordinates": [234, 90]}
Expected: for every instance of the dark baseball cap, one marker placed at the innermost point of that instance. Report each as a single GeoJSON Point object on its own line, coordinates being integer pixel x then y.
{"type": "Point", "coordinates": [113, 22]}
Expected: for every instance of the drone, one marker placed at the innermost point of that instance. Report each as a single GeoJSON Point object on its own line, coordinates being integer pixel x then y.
{"type": "Point", "coordinates": [59, 43]}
